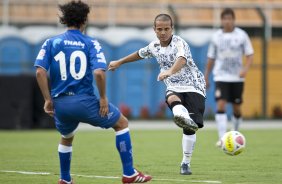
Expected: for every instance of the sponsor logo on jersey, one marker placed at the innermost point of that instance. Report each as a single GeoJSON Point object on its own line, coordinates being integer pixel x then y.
{"type": "Point", "coordinates": [74, 43]}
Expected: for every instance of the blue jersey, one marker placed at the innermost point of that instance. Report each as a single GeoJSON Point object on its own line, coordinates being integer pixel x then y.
{"type": "Point", "coordinates": [71, 58]}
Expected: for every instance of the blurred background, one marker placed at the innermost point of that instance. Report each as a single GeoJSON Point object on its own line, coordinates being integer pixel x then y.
{"type": "Point", "coordinates": [124, 26]}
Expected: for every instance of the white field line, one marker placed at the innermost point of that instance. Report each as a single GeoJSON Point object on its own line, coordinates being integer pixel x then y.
{"type": "Point", "coordinates": [109, 177]}
{"type": "Point", "coordinates": [91, 176]}
{"type": "Point", "coordinates": [209, 125]}
{"type": "Point", "coordinates": [26, 172]}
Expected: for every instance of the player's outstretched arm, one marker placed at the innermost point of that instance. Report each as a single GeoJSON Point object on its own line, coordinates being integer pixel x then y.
{"type": "Point", "coordinates": [127, 59]}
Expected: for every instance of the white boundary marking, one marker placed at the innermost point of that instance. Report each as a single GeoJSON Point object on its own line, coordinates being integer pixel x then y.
{"type": "Point", "coordinates": [91, 176]}
{"type": "Point", "coordinates": [209, 125]}
{"type": "Point", "coordinates": [109, 177]}
{"type": "Point", "coordinates": [27, 172]}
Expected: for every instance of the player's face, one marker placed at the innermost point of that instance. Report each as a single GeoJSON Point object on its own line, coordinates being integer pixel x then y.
{"type": "Point", "coordinates": [163, 31]}
{"type": "Point", "coordinates": [227, 22]}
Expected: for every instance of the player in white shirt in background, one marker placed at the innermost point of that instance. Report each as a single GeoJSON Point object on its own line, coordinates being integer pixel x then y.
{"type": "Point", "coordinates": [186, 87]}
{"type": "Point", "coordinates": [227, 48]}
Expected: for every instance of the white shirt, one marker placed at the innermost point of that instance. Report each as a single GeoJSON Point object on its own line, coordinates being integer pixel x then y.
{"type": "Point", "coordinates": [189, 78]}
{"type": "Point", "coordinates": [227, 49]}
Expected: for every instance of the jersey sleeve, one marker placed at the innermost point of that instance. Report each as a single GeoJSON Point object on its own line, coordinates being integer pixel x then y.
{"type": "Point", "coordinates": [183, 50]}
{"type": "Point", "coordinates": [97, 57]}
{"type": "Point", "coordinates": [248, 48]}
{"type": "Point", "coordinates": [43, 58]}
{"type": "Point", "coordinates": [145, 52]}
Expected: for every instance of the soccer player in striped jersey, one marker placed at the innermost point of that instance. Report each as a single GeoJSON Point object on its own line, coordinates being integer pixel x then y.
{"type": "Point", "coordinates": [185, 83]}
{"type": "Point", "coordinates": [227, 47]}
{"type": "Point", "coordinates": [72, 58]}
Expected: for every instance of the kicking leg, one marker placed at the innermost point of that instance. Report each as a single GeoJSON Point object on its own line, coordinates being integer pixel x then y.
{"type": "Point", "coordinates": [181, 114]}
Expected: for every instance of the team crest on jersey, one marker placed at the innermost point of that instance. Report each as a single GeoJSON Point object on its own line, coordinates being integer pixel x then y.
{"type": "Point", "coordinates": [56, 42]}
{"type": "Point", "coordinates": [41, 54]}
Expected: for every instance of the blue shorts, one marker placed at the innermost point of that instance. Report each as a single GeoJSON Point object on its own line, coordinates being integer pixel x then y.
{"type": "Point", "coordinates": [71, 110]}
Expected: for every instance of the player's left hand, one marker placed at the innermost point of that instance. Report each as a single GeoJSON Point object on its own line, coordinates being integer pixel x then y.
{"type": "Point", "coordinates": [104, 108]}
{"type": "Point", "coordinates": [163, 75]}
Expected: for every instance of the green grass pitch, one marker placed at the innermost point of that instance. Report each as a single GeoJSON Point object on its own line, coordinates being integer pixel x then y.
{"type": "Point", "coordinates": [156, 152]}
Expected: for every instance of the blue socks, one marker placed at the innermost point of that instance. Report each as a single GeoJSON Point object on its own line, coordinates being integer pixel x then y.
{"type": "Point", "coordinates": [123, 144]}
{"type": "Point", "coordinates": [65, 153]}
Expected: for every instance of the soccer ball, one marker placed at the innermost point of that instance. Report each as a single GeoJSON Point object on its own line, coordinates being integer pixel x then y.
{"type": "Point", "coordinates": [233, 143]}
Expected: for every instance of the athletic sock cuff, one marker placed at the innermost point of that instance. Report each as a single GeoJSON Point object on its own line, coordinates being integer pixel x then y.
{"type": "Point", "coordinates": [175, 103]}
{"type": "Point", "coordinates": [64, 149]}
{"type": "Point", "coordinates": [123, 131]}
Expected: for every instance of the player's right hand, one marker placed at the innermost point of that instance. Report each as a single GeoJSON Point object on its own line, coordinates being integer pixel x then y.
{"type": "Point", "coordinates": [113, 65]}
{"type": "Point", "coordinates": [104, 107]}
{"type": "Point", "coordinates": [48, 107]}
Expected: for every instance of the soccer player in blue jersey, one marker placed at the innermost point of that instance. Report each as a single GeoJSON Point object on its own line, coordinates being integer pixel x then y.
{"type": "Point", "coordinates": [72, 58]}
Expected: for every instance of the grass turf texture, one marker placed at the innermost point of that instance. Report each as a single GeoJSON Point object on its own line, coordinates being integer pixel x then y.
{"type": "Point", "coordinates": [155, 152]}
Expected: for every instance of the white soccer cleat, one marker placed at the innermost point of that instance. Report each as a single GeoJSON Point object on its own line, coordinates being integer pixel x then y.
{"type": "Point", "coordinates": [185, 123]}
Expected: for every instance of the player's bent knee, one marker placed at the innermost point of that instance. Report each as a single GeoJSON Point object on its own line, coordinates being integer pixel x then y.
{"type": "Point", "coordinates": [68, 136]}
{"type": "Point", "coordinates": [66, 141]}
{"type": "Point", "coordinates": [121, 124]}
{"type": "Point", "coordinates": [173, 98]}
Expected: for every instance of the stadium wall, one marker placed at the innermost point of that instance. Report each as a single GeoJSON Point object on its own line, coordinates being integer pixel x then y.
{"type": "Point", "coordinates": [133, 87]}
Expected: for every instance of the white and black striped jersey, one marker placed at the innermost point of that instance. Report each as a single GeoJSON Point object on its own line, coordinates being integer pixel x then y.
{"type": "Point", "coordinates": [189, 78]}
{"type": "Point", "coordinates": [227, 49]}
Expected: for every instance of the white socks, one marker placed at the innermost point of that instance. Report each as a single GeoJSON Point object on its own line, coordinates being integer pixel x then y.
{"type": "Point", "coordinates": [221, 121]}
{"type": "Point", "coordinates": [180, 110]}
{"type": "Point", "coordinates": [188, 143]}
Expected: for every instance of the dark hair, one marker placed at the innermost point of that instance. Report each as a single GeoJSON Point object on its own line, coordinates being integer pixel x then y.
{"type": "Point", "coordinates": [74, 13]}
{"type": "Point", "coordinates": [163, 17]}
{"type": "Point", "coordinates": [227, 11]}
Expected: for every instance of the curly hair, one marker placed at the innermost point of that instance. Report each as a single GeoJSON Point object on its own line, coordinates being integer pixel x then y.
{"type": "Point", "coordinates": [74, 13]}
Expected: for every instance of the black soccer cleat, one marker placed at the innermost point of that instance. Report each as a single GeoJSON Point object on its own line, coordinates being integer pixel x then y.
{"type": "Point", "coordinates": [185, 169]}
{"type": "Point", "coordinates": [187, 124]}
